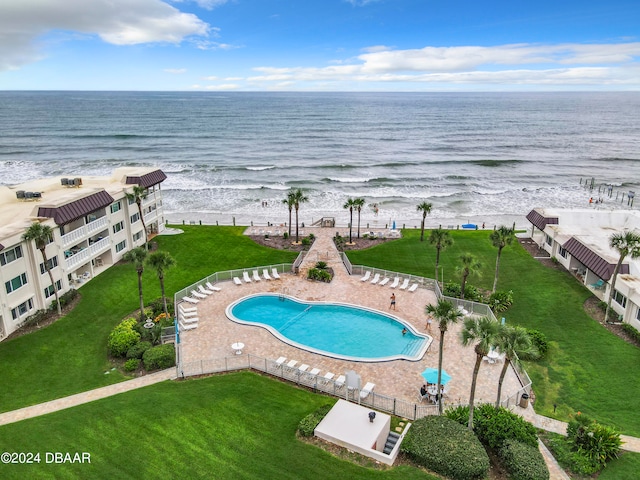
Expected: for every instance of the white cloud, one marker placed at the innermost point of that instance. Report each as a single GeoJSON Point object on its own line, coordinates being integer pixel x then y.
{"type": "Point", "coordinates": [176, 71]}
{"type": "Point", "coordinates": [223, 86]}
{"type": "Point", "coordinates": [119, 22]}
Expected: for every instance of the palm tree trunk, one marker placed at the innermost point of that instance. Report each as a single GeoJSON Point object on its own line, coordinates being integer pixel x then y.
{"type": "Point", "coordinates": [422, 229]}
{"type": "Point", "coordinates": [472, 395]}
{"type": "Point", "coordinates": [164, 298]}
{"type": "Point", "coordinates": [438, 396]}
{"type": "Point", "coordinates": [613, 286]}
{"type": "Point", "coordinates": [495, 277]}
{"type": "Point", "coordinates": [437, 261]}
{"type": "Point", "coordinates": [507, 362]}
{"type": "Point", "coordinates": [140, 292]}
{"type": "Point", "coordinates": [350, 224]}
{"type": "Point", "coordinates": [464, 284]}
{"type": "Point", "coordinates": [144, 226]}
{"type": "Point", "coordinates": [296, 224]}
{"type": "Point", "coordinates": [289, 222]}
{"type": "Point", "coordinates": [55, 288]}
{"type": "Point", "coordinates": [358, 223]}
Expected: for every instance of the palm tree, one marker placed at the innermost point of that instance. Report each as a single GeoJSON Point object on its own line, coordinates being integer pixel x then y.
{"type": "Point", "coordinates": [137, 256]}
{"type": "Point", "coordinates": [425, 208]}
{"type": "Point", "coordinates": [138, 194]}
{"type": "Point", "coordinates": [161, 261]}
{"type": "Point", "coordinates": [445, 313]}
{"type": "Point", "coordinates": [483, 331]}
{"type": "Point", "coordinates": [470, 266]}
{"type": "Point", "coordinates": [289, 202]}
{"type": "Point", "coordinates": [42, 235]}
{"type": "Point", "coordinates": [360, 202]}
{"type": "Point", "coordinates": [350, 204]}
{"type": "Point", "coordinates": [441, 239]}
{"type": "Point", "coordinates": [512, 341]}
{"type": "Point", "coordinates": [500, 238]}
{"type": "Point", "coordinates": [298, 198]}
{"type": "Point", "coordinates": [627, 244]}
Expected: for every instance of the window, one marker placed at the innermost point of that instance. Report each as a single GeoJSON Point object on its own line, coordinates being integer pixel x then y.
{"type": "Point", "coordinates": [121, 246]}
{"type": "Point", "coordinates": [132, 200]}
{"type": "Point", "coordinates": [115, 207]}
{"type": "Point", "coordinates": [15, 283]}
{"type": "Point", "coordinates": [620, 299]}
{"type": "Point", "coordinates": [22, 309]}
{"type": "Point", "coordinates": [118, 226]}
{"type": "Point", "coordinates": [49, 290]}
{"type": "Point", "coordinates": [10, 255]}
{"type": "Point", "coordinates": [638, 314]}
{"type": "Point", "coordinates": [135, 217]}
{"type": "Point", "coordinates": [549, 240]}
{"type": "Point", "coordinates": [563, 252]}
{"type": "Point", "coordinates": [52, 262]}
{"type": "Point", "coordinates": [137, 236]}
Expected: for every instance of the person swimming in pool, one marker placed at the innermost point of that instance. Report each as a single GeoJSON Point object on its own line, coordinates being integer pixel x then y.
{"type": "Point", "coordinates": [404, 331]}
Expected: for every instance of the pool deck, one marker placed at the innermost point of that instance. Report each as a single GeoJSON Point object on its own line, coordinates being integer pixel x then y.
{"type": "Point", "coordinates": [399, 378]}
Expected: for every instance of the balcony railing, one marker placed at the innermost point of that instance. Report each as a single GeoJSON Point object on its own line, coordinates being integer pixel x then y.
{"type": "Point", "coordinates": [80, 233]}
{"type": "Point", "coordinates": [97, 224]}
{"type": "Point", "coordinates": [78, 258]}
{"type": "Point", "coordinates": [99, 246]}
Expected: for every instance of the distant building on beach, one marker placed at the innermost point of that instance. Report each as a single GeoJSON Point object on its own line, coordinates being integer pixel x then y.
{"type": "Point", "coordinates": [94, 224]}
{"type": "Point", "coordinates": [579, 240]}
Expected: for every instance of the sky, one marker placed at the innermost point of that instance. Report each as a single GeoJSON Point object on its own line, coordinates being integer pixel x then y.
{"type": "Point", "coordinates": [320, 45]}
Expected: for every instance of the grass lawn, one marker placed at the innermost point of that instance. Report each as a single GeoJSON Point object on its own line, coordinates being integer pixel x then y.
{"type": "Point", "coordinates": [587, 369]}
{"type": "Point", "coordinates": [235, 426]}
{"type": "Point", "coordinates": [70, 356]}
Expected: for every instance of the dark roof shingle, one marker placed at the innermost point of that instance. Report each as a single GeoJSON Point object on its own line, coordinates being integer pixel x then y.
{"type": "Point", "coordinates": [539, 220]}
{"type": "Point", "coordinates": [147, 180]}
{"type": "Point", "coordinates": [592, 260]}
{"type": "Point", "coordinates": [76, 209]}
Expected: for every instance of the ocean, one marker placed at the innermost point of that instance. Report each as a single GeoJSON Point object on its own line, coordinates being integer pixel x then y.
{"type": "Point", "coordinates": [477, 157]}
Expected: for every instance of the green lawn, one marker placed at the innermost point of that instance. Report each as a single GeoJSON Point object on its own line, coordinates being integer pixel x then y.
{"type": "Point", "coordinates": [588, 369]}
{"type": "Point", "coordinates": [235, 426]}
{"type": "Point", "coordinates": [70, 356]}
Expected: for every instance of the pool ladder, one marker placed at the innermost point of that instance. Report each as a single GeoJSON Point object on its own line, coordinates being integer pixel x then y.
{"type": "Point", "coordinates": [282, 295]}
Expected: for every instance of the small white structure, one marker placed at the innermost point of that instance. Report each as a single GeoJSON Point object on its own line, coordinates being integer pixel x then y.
{"type": "Point", "coordinates": [348, 425]}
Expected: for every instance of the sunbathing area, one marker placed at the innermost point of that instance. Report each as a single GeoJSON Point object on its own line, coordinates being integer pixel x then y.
{"type": "Point", "coordinates": [207, 333]}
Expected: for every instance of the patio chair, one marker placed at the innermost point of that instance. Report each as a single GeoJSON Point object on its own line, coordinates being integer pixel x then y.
{"type": "Point", "coordinates": [212, 287]}
{"type": "Point", "coordinates": [366, 276]}
{"type": "Point", "coordinates": [274, 273]}
{"type": "Point", "coordinates": [291, 365]}
{"type": "Point", "coordinates": [237, 281]}
{"type": "Point", "coordinates": [201, 289]}
{"type": "Point", "coordinates": [278, 363]}
{"type": "Point", "coordinates": [198, 294]}
{"type": "Point", "coordinates": [395, 283]}
{"type": "Point", "coordinates": [340, 381]}
{"type": "Point", "coordinates": [376, 278]}
{"type": "Point", "coordinates": [245, 276]}
{"type": "Point", "coordinates": [327, 378]}
{"type": "Point", "coordinates": [190, 300]}
{"type": "Point", "coordinates": [413, 287]}
{"type": "Point", "coordinates": [367, 389]}
{"type": "Point", "coordinates": [303, 368]}
{"type": "Point", "coordinates": [265, 274]}
{"type": "Point", "coordinates": [422, 397]}
{"type": "Point", "coordinates": [189, 326]}
{"type": "Point", "coordinates": [256, 277]}
{"type": "Point", "coordinates": [384, 281]}
{"type": "Point", "coordinates": [184, 314]}
{"type": "Point", "coordinates": [187, 309]}
{"type": "Point", "coordinates": [598, 285]}
{"type": "Point", "coordinates": [314, 372]}
{"type": "Point", "coordinates": [405, 284]}
{"type": "Point", "coordinates": [189, 320]}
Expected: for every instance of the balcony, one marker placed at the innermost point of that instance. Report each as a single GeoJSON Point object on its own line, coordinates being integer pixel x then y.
{"type": "Point", "coordinates": [99, 246]}
{"type": "Point", "coordinates": [97, 224]}
{"type": "Point", "coordinates": [78, 258]}
{"type": "Point", "coordinates": [80, 233]}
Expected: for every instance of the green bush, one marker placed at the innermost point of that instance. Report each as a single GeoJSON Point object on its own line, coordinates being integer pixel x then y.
{"type": "Point", "coordinates": [446, 447]}
{"type": "Point", "coordinates": [539, 341]}
{"type": "Point", "coordinates": [157, 307]}
{"type": "Point", "coordinates": [132, 364]}
{"type": "Point", "coordinates": [631, 331]}
{"type": "Point", "coordinates": [309, 423]}
{"type": "Point", "coordinates": [500, 301]}
{"type": "Point", "coordinates": [65, 299]}
{"type": "Point", "coordinates": [137, 350]}
{"type": "Point", "coordinates": [472, 293]}
{"type": "Point", "coordinates": [159, 357]}
{"type": "Point", "coordinates": [319, 275]}
{"type": "Point", "coordinates": [306, 241]}
{"type": "Point", "coordinates": [285, 235]}
{"type": "Point", "coordinates": [561, 447]}
{"type": "Point", "coordinates": [123, 337]}
{"type": "Point", "coordinates": [321, 265]}
{"type": "Point", "coordinates": [595, 442]}
{"type": "Point", "coordinates": [36, 318]}
{"type": "Point", "coordinates": [523, 462]}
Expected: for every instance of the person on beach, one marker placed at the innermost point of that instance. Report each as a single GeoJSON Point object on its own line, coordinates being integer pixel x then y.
{"type": "Point", "coordinates": [429, 321]}
{"type": "Point", "coordinates": [393, 301]}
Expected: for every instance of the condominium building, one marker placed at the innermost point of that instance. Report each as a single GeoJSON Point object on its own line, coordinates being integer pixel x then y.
{"type": "Point", "coordinates": [93, 222]}
{"type": "Point", "coordinates": [579, 241]}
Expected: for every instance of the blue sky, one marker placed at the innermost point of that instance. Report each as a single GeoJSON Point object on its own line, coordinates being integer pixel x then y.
{"type": "Point", "coordinates": [319, 45]}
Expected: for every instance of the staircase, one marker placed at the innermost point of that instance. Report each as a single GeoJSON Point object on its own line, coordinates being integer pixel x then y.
{"type": "Point", "coordinates": [392, 439]}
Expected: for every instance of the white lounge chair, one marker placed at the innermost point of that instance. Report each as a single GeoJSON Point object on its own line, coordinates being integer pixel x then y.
{"type": "Point", "coordinates": [395, 283]}
{"type": "Point", "coordinates": [212, 287]}
{"type": "Point", "coordinates": [237, 281]}
{"type": "Point", "coordinates": [367, 389]}
{"type": "Point", "coordinates": [413, 287]}
{"type": "Point", "coordinates": [274, 273]}
{"type": "Point", "coordinates": [384, 281]}
{"type": "Point", "coordinates": [303, 368]}
{"type": "Point", "coordinates": [340, 381]}
{"type": "Point", "coordinates": [280, 361]}
{"type": "Point", "coordinates": [376, 278]}
{"type": "Point", "coordinates": [314, 372]}
{"type": "Point", "coordinates": [245, 276]}
{"type": "Point", "coordinates": [204, 290]}
{"type": "Point", "coordinates": [265, 274]}
{"type": "Point", "coordinates": [366, 276]}
{"type": "Point", "coordinates": [327, 378]}
{"type": "Point", "coordinates": [291, 365]}
{"type": "Point", "coordinates": [198, 294]}
{"type": "Point", "coordinates": [189, 326]}
{"type": "Point", "coordinates": [190, 300]}
{"type": "Point", "coordinates": [184, 314]}
{"type": "Point", "coordinates": [256, 276]}
{"type": "Point", "coordinates": [190, 320]}
{"type": "Point", "coordinates": [405, 284]}
{"type": "Point", "coordinates": [187, 309]}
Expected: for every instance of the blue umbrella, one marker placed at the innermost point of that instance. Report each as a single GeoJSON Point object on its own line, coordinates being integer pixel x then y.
{"type": "Point", "coordinates": [431, 376]}
{"type": "Point", "coordinates": [394, 225]}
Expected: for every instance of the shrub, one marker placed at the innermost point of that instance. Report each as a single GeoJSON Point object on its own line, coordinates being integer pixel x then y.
{"type": "Point", "coordinates": [523, 462]}
{"type": "Point", "coordinates": [123, 337]}
{"type": "Point", "coordinates": [500, 301]}
{"type": "Point", "coordinates": [306, 241]}
{"type": "Point", "coordinates": [446, 447]}
{"type": "Point", "coordinates": [285, 235]}
{"type": "Point", "coordinates": [312, 237]}
{"type": "Point", "coordinates": [65, 299]}
{"type": "Point", "coordinates": [539, 341]}
{"type": "Point", "coordinates": [319, 275]}
{"type": "Point", "coordinates": [631, 331]}
{"type": "Point", "coordinates": [36, 318]}
{"type": "Point", "coordinates": [602, 306]}
{"type": "Point", "coordinates": [159, 357]}
{"type": "Point", "coordinates": [309, 423]}
{"type": "Point", "coordinates": [138, 349]}
{"type": "Point", "coordinates": [132, 364]}
{"type": "Point", "coordinates": [595, 442]}
{"type": "Point", "coordinates": [452, 289]}
{"type": "Point", "coordinates": [157, 307]}
{"type": "Point", "coordinates": [321, 265]}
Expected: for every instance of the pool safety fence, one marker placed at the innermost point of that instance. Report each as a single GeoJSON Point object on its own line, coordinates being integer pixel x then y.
{"type": "Point", "coordinates": [318, 383]}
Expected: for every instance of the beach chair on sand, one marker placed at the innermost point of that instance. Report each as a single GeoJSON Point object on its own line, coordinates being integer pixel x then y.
{"type": "Point", "coordinates": [245, 276]}
{"type": "Point", "coordinates": [366, 276]}
{"type": "Point", "coordinates": [384, 281]}
{"type": "Point", "coordinates": [376, 278]}
{"type": "Point", "coordinates": [256, 277]}
{"type": "Point", "coordinates": [395, 283]}
{"type": "Point", "coordinates": [265, 274]}
{"type": "Point", "coordinates": [367, 389]}
{"type": "Point", "coordinates": [237, 281]}
{"type": "Point", "coordinates": [405, 284]}
{"type": "Point", "coordinates": [212, 287]}
{"type": "Point", "coordinates": [413, 287]}
{"type": "Point", "coordinates": [274, 273]}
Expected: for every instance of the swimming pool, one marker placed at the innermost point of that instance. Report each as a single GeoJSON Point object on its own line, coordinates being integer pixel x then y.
{"type": "Point", "coordinates": [336, 330]}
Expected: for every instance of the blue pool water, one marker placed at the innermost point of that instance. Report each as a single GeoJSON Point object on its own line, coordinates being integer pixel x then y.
{"type": "Point", "coordinates": [336, 330]}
